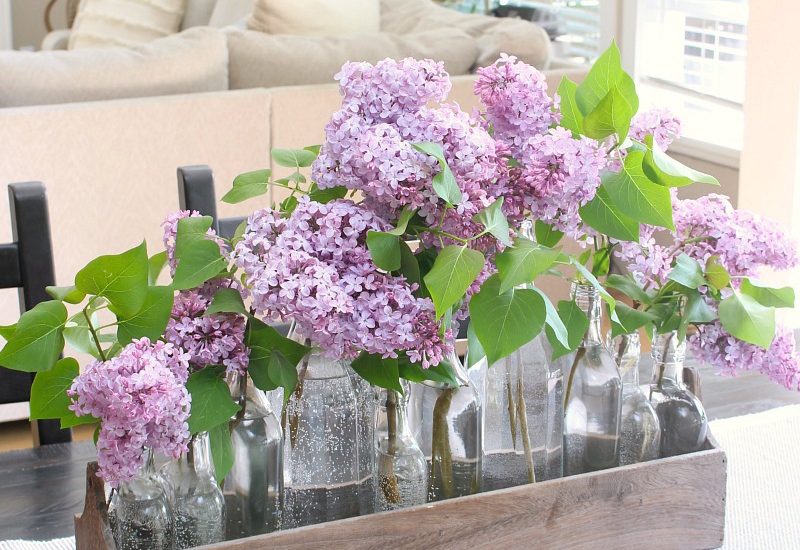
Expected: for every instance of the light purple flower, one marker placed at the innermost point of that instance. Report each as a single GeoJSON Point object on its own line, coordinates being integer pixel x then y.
{"type": "Point", "coordinates": [662, 124]}
{"type": "Point", "coordinates": [141, 400]}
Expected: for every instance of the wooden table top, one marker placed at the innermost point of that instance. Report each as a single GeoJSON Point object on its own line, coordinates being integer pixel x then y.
{"type": "Point", "coordinates": [41, 489]}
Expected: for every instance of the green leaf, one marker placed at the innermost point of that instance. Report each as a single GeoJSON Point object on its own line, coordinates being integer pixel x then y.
{"type": "Point", "coordinates": [747, 320]}
{"type": "Point", "coordinates": [571, 116]}
{"type": "Point", "coordinates": [384, 248]}
{"type": "Point", "coordinates": [553, 320]}
{"type": "Point", "coordinates": [402, 221]}
{"type": "Point", "coordinates": [38, 340]}
{"type": "Point", "coordinates": [636, 196]}
{"type": "Point", "coordinates": [155, 265]}
{"type": "Point", "coordinates": [766, 295]}
{"type": "Point", "coordinates": [238, 234]}
{"type": "Point", "coordinates": [293, 158]}
{"type": "Point", "coordinates": [212, 404]}
{"type": "Point", "coordinates": [227, 300]}
{"type": "Point", "coordinates": [219, 438]}
{"type": "Point", "coordinates": [546, 234]}
{"type": "Point", "coordinates": [77, 335]}
{"type": "Point", "coordinates": [611, 116]}
{"type": "Point", "coordinates": [601, 214]}
{"type": "Point", "coordinates": [592, 280]}
{"type": "Point", "coordinates": [455, 269]}
{"type": "Point", "coordinates": [475, 352]}
{"type": "Point", "coordinates": [601, 262]}
{"type": "Point", "coordinates": [605, 74]}
{"type": "Point", "coordinates": [444, 183]}
{"type": "Point", "coordinates": [442, 373]}
{"type": "Point", "coordinates": [629, 287]}
{"type": "Point", "coordinates": [313, 149]}
{"type": "Point", "coordinates": [630, 320]}
{"type": "Point", "coordinates": [69, 294]}
{"type": "Point", "coordinates": [262, 340]}
{"type": "Point", "coordinates": [576, 323]}
{"type": "Point", "coordinates": [199, 258]}
{"type": "Point", "coordinates": [151, 320]}
{"type": "Point", "coordinates": [667, 171]}
{"type": "Point", "coordinates": [324, 196]}
{"type": "Point", "coordinates": [49, 390]}
{"type": "Point", "coordinates": [494, 221]}
{"type": "Point", "coordinates": [687, 272]}
{"type": "Point", "coordinates": [247, 186]}
{"type": "Point", "coordinates": [384, 373]}
{"type": "Point", "coordinates": [70, 420]}
{"type": "Point", "coordinates": [522, 263]}
{"type": "Point", "coordinates": [409, 266]}
{"type": "Point", "coordinates": [282, 373]}
{"type": "Point", "coordinates": [121, 278]}
{"type": "Point", "coordinates": [289, 204]}
{"type": "Point", "coordinates": [716, 274]}
{"type": "Point", "coordinates": [505, 321]}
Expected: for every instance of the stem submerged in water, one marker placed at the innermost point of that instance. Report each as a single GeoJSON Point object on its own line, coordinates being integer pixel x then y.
{"type": "Point", "coordinates": [388, 480]}
{"type": "Point", "coordinates": [441, 454]}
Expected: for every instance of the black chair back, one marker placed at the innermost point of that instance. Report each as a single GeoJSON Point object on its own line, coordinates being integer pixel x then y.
{"type": "Point", "coordinates": [27, 264]}
{"type": "Point", "coordinates": [196, 192]}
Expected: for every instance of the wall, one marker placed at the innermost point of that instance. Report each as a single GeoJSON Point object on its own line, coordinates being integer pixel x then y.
{"type": "Point", "coordinates": [28, 21]}
{"type": "Point", "coordinates": [728, 179]}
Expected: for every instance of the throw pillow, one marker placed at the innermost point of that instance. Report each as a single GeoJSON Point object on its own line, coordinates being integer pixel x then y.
{"type": "Point", "coordinates": [315, 17]}
{"type": "Point", "coordinates": [194, 61]}
{"type": "Point", "coordinates": [259, 60]}
{"type": "Point", "coordinates": [103, 23]}
{"type": "Point", "coordinates": [231, 12]}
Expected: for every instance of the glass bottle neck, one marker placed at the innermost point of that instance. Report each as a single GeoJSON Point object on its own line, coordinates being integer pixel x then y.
{"type": "Point", "coordinates": [668, 355]}
{"type": "Point", "coordinates": [392, 408]}
{"type": "Point", "coordinates": [587, 298]}
{"type": "Point", "coordinates": [626, 349]}
{"type": "Point", "coordinates": [198, 458]}
{"type": "Point", "coordinates": [246, 394]}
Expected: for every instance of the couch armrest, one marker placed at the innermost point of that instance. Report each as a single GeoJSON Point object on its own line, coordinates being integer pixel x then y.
{"type": "Point", "coordinates": [56, 40]}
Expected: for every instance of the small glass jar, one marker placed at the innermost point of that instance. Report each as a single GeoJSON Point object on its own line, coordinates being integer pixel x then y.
{"type": "Point", "coordinates": [400, 469]}
{"type": "Point", "coordinates": [447, 423]}
{"type": "Point", "coordinates": [197, 502]}
{"type": "Point", "coordinates": [140, 513]}
{"type": "Point", "coordinates": [640, 431]}
{"type": "Point", "coordinates": [523, 404]}
{"type": "Point", "coordinates": [593, 396]}
{"type": "Point", "coordinates": [684, 426]}
{"type": "Point", "coordinates": [254, 487]}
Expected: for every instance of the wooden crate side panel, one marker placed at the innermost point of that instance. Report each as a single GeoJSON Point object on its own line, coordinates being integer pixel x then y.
{"type": "Point", "coordinates": [677, 502]}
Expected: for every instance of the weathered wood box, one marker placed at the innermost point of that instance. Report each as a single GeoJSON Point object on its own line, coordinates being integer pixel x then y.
{"type": "Point", "coordinates": [670, 503]}
{"type": "Point", "coordinates": [676, 502]}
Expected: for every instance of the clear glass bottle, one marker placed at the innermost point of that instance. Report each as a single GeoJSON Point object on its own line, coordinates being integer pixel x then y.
{"type": "Point", "coordinates": [254, 487]}
{"type": "Point", "coordinates": [322, 471]}
{"type": "Point", "coordinates": [197, 502]}
{"type": "Point", "coordinates": [684, 427]}
{"type": "Point", "coordinates": [366, 402]}
{"type": "Point", "coordinates": [447, 423]}
{"type": "Point", "coordinates": [140, 513]}
{"type": "Point", "coordinates": [400, 469]}
{"type": "Point", "coordinates": [523, 411]}
{"type": "Point", "coordinates": [640, 431]}
{"type": "Point", "coordinates": [593, 396]}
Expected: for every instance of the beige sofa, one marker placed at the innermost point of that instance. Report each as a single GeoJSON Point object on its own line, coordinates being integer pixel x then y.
{"type": "Point", "coordinates": [109, 166]}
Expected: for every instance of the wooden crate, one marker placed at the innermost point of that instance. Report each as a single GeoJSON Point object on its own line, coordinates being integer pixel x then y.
{"type": "Point", "coordinates": [670, 503]}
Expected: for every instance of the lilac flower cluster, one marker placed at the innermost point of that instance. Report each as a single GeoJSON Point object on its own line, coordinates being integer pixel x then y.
{"type": "Point", "coordinates": [369, 144]}
{"type": "Point", "coordinates": [710, 226]}
{"type": "Point", "coordinates": [216, 339]}
{"type": "Point", "coordinates": [518, 108]}
{"type": "Point", "coordinates": [142, 402]}
{"type": "Point", "coordinates": [314, 269]}
{"type": "Point", "coordinates": [713, 344]}
{"type": "Point", "coordinates": [662, 124]}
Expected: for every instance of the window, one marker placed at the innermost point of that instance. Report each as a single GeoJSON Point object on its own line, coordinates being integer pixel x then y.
{"type": "Point", "coordinates": [690, 56]}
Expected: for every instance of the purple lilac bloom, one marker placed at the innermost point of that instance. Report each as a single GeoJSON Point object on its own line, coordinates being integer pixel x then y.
{"type": "Point", "coordinates": [216, 339]}
{"type": "Point", "coordinates": [314, 269]}
{"type": "Point", "coordinates": [517, 105]}
{"type": "Point", "coordinates": [714, 345]}
{"type": "Point", "coordinates": [662, 124]}
{"type": "Point", "coordinates": [141, 400]}
{"type": "Point", "coordinates": [742, 241]}
{"type": "Point", "coordinates": [369, 144]}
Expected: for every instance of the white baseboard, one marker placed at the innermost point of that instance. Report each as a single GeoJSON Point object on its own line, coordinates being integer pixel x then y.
{"type": "Point", "coordinates": [10, 412]}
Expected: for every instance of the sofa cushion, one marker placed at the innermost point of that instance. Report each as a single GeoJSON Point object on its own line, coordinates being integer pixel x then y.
{"type": "Point", "coordinates": [193, 61]}
{"type": "Point", "coordinates": [259, 60]}
{"type": "Point", "coordinates": [103, 23]}
{"type": "Point", "coordinates": [231, 12]}
{"type": "Point", "coordinates": [198, 13]}
{"type": "Point", "coordinates": [316, 17]}
{"type": "Point", "coordinates": [525, 40]}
